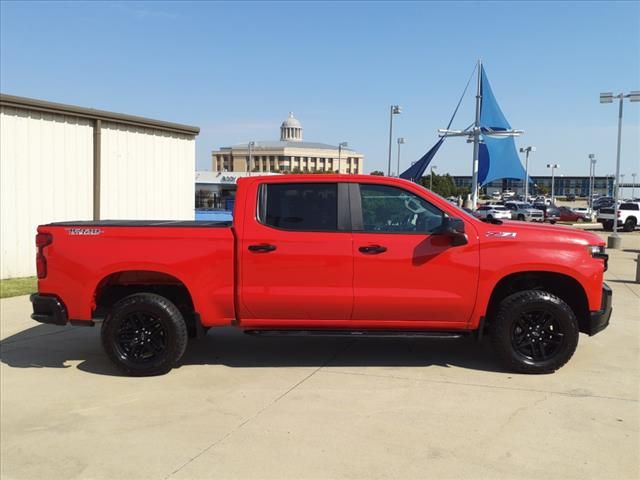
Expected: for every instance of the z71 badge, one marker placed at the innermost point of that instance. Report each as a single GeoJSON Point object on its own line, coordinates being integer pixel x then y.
{"type": "Point", "coordinates": [84, 231]}
{"type": "Point", "coordinates": [501, 234]}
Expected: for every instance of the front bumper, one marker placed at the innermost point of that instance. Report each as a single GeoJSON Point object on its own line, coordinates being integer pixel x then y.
{"type": "Point", "coordinates": [599, 320]}
{"type": "Point", "coordinates": [48, 309]}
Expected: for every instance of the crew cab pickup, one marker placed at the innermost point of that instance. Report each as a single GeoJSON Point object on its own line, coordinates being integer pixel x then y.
{"type": "Point", "coordinates": [325, 255]}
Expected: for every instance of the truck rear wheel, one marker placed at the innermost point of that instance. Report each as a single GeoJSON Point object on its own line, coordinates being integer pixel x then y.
{"type": "Point", "coordinates": [534, 332]}
{"type": "Point", "coordinates": [629, 224]}
{"type": "Point", "coordinates": [144, 334]}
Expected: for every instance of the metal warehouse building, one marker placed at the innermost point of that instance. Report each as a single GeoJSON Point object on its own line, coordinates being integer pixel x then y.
{"type": "Point", "coordinates": [62, 162]}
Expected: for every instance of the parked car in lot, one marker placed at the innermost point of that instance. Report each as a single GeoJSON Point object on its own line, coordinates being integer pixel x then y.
{"type": "Point", "coordinates": [628, 216]}
{"type": "Point", "coordinates": [490, 212]}
{"type": "Point", "coordinates": [586, 212]}
{"type": "Point", "coordinates": [524, 212]}
{"type": "Point", "coordinates": [337, 255]}
{"type": "Point", "coordinates": [551, 212]}
{"type": "Point", "coordinates": [602, 202]}
{"type": "Point", "coordinates": [569, 215]}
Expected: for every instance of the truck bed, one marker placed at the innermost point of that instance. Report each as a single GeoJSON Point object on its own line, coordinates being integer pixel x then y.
{"type": "Point", "coordinates": [141, 223]}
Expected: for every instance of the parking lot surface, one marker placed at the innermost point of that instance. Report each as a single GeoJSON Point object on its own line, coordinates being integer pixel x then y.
{"type": "Point", "coordinates": [279, 408]}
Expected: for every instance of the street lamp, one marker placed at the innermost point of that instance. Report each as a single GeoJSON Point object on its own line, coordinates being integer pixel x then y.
{"type": "Point", "coordinates": [393, 110]}
{"type": "Point", "coordinates": [526, 151]}
{"type": "Point", "coordinates": [251, 145]}
{"type": "Point", "coordinates": [433, 167]}
{"type": "Point", "coordinates": [607, 97]}
{"type": "Point", "coordinates": [340, 145]}
{"type": "Point", "coordinates": [592, 178]}
{"type": "Point", "coordinates": [400, 142]}
{"type": "Point", "coordinates": [633, 186]}
{"type": "Point", "coordinates": [553, 167]}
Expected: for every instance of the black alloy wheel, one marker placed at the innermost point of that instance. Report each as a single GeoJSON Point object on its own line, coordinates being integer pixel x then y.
{"type": "Point", "coordinates": [534, 331]}
{"type": "Point", "coordinates": [141, 337]}
{"type": "Point", "coordinates": [144, 334]}
{"type": "Point", "coordinates": [537, 335]}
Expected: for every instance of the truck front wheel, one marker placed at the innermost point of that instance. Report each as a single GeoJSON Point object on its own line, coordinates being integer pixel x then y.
{"type": "Point", "coordinates": [144, 334]}
{"type": "Point", "coordinates": [534, 332]}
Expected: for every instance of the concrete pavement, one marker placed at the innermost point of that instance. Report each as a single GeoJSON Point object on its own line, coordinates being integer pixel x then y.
{"type": "Point", "coordinates": [318, 408]}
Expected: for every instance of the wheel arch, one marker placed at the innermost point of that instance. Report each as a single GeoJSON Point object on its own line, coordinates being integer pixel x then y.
{"type": "Point", "coordinates": [561, 285]}
{"type": "Point", "coordinates": [120, 284]}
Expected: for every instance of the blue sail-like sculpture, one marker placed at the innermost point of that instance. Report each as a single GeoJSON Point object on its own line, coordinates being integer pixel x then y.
{"type": "Point", "coordinates": [498, 156]}
{"type": "Point", "coordinates": [415, 171]}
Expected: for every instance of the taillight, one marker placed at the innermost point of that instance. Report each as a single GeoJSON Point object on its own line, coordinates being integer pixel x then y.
{"type": "Point", "coordinates": [42, 240]}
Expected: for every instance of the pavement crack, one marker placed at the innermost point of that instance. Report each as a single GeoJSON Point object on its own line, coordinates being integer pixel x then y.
{"type": "Point", "coordinates": [259, 412]}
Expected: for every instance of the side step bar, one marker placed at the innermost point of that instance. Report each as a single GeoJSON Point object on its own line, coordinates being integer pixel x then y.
{"type": "Point", "coordinates": [356, 333]}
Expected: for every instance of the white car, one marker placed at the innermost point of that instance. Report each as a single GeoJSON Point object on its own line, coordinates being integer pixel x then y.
{"type": "Point", "coordinates": [586, 211]}
{"type": "Point", "coordinates": [524, 212]}
{"type": "Point", "coordinates": [491, 212]}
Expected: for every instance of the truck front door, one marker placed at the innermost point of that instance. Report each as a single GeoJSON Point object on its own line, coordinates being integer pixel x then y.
{"type": "Point", "coordinates": [404, 271]}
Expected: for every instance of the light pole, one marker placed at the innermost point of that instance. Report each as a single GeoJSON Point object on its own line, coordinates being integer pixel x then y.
{"type": "Point", "coordinates": [607, 97]}
{"type": "Point", "coordinates": [251, 145]}
{"type": "Point", "coordinates": [592, 178]}
{"type": "Point", "coordinates": [526, 151]}
{"type": "Point", "coordinates": [340, 145]}
{"type": "Point", "coordinates": [400, 142]}
{"type": "Point", "coordinates": [433, 167]}
{"type": "Point", "coordinates": [393, 110]}
{"type": "Point", "coordinates": [553, 167]}
{"type": "Point", "coordinates": [633, 186]}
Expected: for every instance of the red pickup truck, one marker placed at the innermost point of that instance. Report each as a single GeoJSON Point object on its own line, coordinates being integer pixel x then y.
{"type": "Point", "coordinates": [325, 255]}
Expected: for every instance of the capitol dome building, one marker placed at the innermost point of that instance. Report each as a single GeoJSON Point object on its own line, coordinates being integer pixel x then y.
{"type": "Point", "coordinates": [290, 154]}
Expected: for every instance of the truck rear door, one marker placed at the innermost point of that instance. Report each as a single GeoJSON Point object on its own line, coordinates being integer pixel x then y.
{"type": "Point", "coordinates": [295, 254]}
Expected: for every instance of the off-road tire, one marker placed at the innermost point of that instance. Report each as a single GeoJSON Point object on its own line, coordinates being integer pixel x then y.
{"type": "Point", "coordinates": [629, 224]}
{"type": "Point", "coordinates": [509, 332]}
{"type": "Point", "coordinates": [144, 334]}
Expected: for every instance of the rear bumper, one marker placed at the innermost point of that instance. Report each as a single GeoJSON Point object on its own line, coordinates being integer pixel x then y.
{"type": "Point", "coordinates": [48, 309]}
{"type": "Point", "coordinates": [599, 320]}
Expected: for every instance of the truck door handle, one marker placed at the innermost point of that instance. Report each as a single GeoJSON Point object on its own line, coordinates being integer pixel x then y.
{"type": "Point", "coordinates": [262, 248]}
{"type": "Point", "coordinates": [373, 249]}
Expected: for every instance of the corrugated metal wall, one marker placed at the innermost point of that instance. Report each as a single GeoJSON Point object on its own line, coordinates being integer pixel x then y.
{"type": "Point", "coordinates": [146, 174]}
{"type": "Point", "coordinates": [46, 173]}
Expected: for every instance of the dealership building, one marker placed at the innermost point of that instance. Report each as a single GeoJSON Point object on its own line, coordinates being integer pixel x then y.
{"type": "Point", "coordinates": [290, 154]}
{"type": "Point", "coordinates": [563, 185]}
{"type": "Point", "coordinates": [63, 162]}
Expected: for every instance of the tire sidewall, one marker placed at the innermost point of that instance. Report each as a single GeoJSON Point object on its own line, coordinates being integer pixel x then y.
{"type": "Point", "coordinates": [172, 322]}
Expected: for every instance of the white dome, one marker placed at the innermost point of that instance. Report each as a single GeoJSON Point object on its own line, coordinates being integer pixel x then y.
{"type": "Point", "coordinates": [291, 122]}
{"type": "Point", "coordinates": [291, 130]}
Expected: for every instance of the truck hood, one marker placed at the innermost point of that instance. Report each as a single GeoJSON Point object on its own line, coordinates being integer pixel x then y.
{"type": "Point", "coordinates": [541, 233]}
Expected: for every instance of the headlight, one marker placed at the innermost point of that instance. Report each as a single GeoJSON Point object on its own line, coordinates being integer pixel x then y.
{"type": "Point", "coordinates": [597, 251]}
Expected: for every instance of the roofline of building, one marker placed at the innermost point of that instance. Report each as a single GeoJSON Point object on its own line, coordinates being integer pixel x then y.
{"type": "Point", "coordinates": [91, 113]}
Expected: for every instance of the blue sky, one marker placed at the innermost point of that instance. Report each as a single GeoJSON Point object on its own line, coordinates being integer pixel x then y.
{"type": "Point", "coordinates": [236, 70]}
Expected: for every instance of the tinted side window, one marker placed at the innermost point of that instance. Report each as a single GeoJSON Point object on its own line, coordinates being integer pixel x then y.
{"type": "Point", "coordinates": [629, 206]}
{"type": "Point", "coordinates": [391, 209]}
{"type": "Point", "coordinates": [301, 206]}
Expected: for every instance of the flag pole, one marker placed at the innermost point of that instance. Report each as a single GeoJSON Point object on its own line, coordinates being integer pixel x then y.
{"type": "Point", "coordinates": [476, 141]}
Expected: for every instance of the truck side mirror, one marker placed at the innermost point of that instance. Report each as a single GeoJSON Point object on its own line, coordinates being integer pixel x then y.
{"type": "Point", "coordinates": [453, 228]}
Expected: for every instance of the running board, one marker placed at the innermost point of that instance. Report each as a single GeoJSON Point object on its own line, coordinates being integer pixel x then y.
{"type": "Point", "coordinates": [356, 333]}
